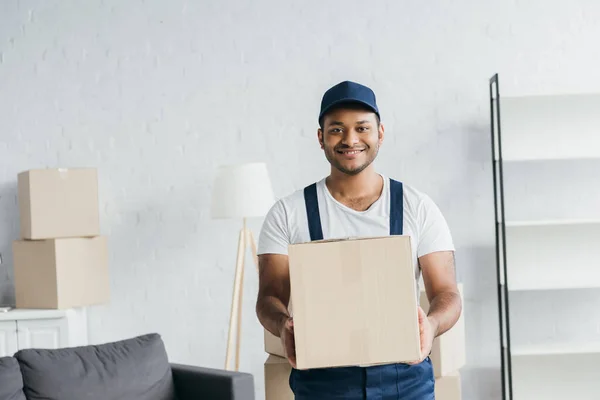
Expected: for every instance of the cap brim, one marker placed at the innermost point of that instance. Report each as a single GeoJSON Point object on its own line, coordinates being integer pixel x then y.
{"type": "Point", "coordinates": [347, 101]}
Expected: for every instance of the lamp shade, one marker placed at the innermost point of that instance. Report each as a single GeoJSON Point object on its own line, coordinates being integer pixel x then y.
{"type": "Point", "coordinates": [242, 191]}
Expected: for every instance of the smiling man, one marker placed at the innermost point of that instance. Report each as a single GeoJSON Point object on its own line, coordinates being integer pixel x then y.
{"type": "Point", "coordinates": [355, 200]}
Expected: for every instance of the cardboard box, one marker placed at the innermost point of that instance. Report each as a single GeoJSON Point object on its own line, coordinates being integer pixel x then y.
{"type": "Point", "coordinates": [448, 387]}
{"type": "Point", "coordinates": [56, 203]}
{"type": "Point", "coordinates": [355, 302]}
{"type": "Point", "coordinates": [61, 273]}
{"type": "Point", "coordinates": [273, 344]}
{"type": "Point", "coordinates": [277, 379]}
{"type": "Point", "coordinates": [448, 353]}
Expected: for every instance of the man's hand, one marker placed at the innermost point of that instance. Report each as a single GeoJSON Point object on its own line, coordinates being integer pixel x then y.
{"type": "Point", "coordinates": [286, 333]}
{"type": "Point", "coordinates": [427, 332]}
{"type": "Point", "coordinates": [273, 300]}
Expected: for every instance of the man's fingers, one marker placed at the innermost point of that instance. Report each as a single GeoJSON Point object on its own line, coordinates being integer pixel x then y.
{"type": "Point", "coordinates": [290, 343]}
{"type": "Point", "coordinates": [291, 351]}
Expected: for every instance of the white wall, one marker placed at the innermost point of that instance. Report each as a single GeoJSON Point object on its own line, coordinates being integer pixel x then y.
{"type": "Point", "coordinates": [157, 94]}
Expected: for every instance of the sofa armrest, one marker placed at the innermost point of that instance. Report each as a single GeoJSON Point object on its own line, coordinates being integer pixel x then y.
{"type": "Point", "coordinates": [193, 383]}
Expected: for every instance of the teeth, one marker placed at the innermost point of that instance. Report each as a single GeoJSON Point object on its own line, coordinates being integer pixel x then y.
{"type": "Point", "coordinates": [352, 152]}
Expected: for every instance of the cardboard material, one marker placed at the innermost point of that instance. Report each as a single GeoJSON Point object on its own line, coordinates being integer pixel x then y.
{"type": "Point", "coordinates": [56, 203]}
{"type": "Point", "coordinates": [355, 302]}
{"type": "Point", "coordinates": [61, 273]}
{"type": "Point", "coordinates": [448, 353]}
{"type": "Point", "coordinates": [277, 379]}
{"type": "Point", "coordinates": [448, 387]}
{"type": "Point", "coordinates": [273, 344]}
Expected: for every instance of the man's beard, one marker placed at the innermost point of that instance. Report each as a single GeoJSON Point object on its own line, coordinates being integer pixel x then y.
{"type": "Point", "coordinates": [331, 157]}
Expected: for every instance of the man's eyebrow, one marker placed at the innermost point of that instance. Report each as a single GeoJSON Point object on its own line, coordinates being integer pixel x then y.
{"type": "Point", "coordinates": [337, 123]}
{"type": "Point", "coordinates": [364, 121]}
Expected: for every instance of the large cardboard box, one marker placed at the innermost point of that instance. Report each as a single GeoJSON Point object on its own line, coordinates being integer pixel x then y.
{"type": "Point", "coordinates": [56, 203]}
{"type": "Point", "coordinates": [448, 353]}
{"type": "Point", "coordinates": [277, 379]}
{"type": "Point", "coordinates": [355, 302]}
{"type": "Point", "coordinates": [273, 344]}
{"type": "Point", "coordinates": [448, 387]}
{"type": "Point", "coordinates": [61, 273]}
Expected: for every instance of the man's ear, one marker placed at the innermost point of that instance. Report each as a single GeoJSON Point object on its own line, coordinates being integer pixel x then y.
{"type": "Point", "coordinates": [381, 133]}
{"type": "Point", "coordinates": [320, 137]}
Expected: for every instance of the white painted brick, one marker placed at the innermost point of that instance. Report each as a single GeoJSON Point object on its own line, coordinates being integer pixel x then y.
{"type": "Point", "coordinates": [157, 94]}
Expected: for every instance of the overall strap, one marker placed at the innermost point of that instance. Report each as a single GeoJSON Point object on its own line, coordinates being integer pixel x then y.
{"type": "Point", "coordinates": [396, 207]}
{"type": "Point", "coordinates": [312, 212]}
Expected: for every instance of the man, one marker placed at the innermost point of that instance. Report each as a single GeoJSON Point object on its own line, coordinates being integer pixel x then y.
{"type": "Point", "coordinates": [355, 200]}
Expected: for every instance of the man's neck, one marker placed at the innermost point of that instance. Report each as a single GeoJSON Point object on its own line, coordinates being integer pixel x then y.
{"type": "Point", "coordinates": [365, 184]}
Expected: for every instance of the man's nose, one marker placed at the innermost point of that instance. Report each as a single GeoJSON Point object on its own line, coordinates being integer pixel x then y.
{"type": "Point", "coordinates": [350, 137]}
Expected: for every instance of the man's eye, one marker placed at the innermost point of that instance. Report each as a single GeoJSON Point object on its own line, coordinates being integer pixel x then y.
{"type": "Point", "coordinates": [335, 130]}
{"type": "Point", "coordinates": [363, 128]}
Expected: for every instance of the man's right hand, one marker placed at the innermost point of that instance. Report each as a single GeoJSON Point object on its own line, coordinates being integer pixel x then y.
{"type": "Point", "coordinates": [273, 300]}
{"type": "Point", "coordinates": [286, 334]}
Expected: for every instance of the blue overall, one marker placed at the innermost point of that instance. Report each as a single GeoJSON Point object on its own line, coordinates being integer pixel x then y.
{"type": "Point", "coordinates": [381, 382]}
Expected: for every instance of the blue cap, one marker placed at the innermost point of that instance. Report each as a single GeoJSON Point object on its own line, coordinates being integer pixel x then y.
{"type": "Point", "coordinates": [348, 92]}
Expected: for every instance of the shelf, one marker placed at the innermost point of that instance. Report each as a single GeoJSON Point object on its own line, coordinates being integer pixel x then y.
{"type": "Point", "coordinates": [550, 151]}
{"type": "Point", "coordinates": [555, 349]}
{"type": "Point", "coordinates": [21, 314]}
{"type": "Point", "coordinates": [510, 160]}
{"type": "Point", "coordinates": [551, 255]}
{"type": "Point", "coordinates": [556, 377]}
{"type": "Point", "coordinates": [556, 222]}
{"type": "Point", "coordinates": [562, 285]}
{"type": "Point", "coordinates": [582, 284]}
{"type": "Point", "coordinates": [558, 127]}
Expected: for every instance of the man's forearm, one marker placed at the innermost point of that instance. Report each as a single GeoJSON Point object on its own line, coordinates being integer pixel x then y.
{"type": "Point", "coordinates": [444, 311]}
{"type": "Point", "coordinates": [272, 313]}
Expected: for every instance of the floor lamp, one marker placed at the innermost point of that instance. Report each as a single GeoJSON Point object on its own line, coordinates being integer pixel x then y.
{"type": "Point", "coordinates": [240, 191]}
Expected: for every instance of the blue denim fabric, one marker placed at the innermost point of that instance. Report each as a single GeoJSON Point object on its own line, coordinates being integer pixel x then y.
{"type": "Point", "coordinates": [382, 382]}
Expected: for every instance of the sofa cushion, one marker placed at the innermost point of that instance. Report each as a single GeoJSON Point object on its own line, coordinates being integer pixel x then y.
{"type": "Point", "coordinates": [132, 369]}
{"type": "Point", "coordinates": [11, 381]}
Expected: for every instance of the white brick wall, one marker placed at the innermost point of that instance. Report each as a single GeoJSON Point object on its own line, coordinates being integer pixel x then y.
{"type": "Point", "coordinates": [156, 94]}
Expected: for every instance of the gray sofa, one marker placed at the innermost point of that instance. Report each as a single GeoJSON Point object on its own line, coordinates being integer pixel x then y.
{"type": "Point", "coordinates": [131, 369]}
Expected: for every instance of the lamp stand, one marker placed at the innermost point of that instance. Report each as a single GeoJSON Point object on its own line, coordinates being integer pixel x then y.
{"type": "Point", "coordinates": [245, 237]}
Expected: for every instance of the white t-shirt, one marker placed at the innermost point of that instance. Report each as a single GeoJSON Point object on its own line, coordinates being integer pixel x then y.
{"type": "Point", "coordinates": [287, 223]}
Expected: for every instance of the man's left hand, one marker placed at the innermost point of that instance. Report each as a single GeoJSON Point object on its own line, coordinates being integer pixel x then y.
{"type": "Point", "coordinates": [427, 328]}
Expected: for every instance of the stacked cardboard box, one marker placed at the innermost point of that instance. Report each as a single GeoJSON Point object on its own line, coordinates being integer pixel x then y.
{"type": "Point", "coordinates": [277, 374]}
{"type": "Point", "coordinates": [447, 356]}
{"type": "Point", "coordinates": [60, 260]}
{"type": "Point", "coordinates": [277, 370]}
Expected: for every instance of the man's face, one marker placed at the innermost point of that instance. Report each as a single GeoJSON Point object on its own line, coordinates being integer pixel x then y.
{"type": "Point", "coordinates": [350, 139]}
